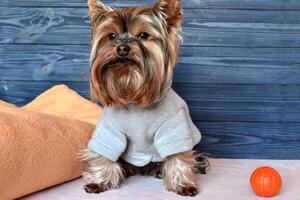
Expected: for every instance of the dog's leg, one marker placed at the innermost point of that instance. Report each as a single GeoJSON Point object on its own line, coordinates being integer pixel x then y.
{"type": "Point", "coordinates": [201, 167]}
{"type": "Point", "coordinates": [102, 174]}
{"type": "Point", "coordinates": [179, 174]}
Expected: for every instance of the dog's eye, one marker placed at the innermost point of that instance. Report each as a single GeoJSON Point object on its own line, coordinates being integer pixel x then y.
{"type": "Point", "coordinates": [112, 36]}
{"type": "Point", "coordinates": [143, 35]}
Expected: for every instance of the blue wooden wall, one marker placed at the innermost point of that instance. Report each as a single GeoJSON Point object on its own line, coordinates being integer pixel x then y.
{"type": "Point", "coordinates": [239, 68]}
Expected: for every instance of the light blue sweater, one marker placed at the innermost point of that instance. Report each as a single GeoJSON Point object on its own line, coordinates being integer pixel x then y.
{"type": "Point", "coordinates": [144, 135]}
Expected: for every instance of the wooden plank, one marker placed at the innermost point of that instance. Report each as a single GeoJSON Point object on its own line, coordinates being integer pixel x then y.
{"type": "Point", "coordinates": [238, 93]}
{"type": "Point", "coordinates": [197, 73]}
{"type": "Point", "coordinates": [21, 92]}
{"type": "Point", "coordinates": [201, 27]}
{"type": "Point", "coordinates": [200, 65]}
{"type": "Point", "coordinates": [241, 16]}
{"type": "Point", "coordinates": [244, 111]}
{"type": "Point", "coordinates": [207, 4]}
{"type": "Point", "coordinates": [205, 105]}
{"type": "Point", "coordinates": [286, 56]}
{"type": "Point", "coordinates": [250, 140]}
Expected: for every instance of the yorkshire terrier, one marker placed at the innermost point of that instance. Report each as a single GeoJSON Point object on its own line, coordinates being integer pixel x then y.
{"type": "Point", "coordinates": [145, 128]}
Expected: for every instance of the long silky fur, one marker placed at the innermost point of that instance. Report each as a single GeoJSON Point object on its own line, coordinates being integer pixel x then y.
{"type": "Point", "coordinates": [101, 171]}
{"type": "Point", "coordinates": [179, 171]}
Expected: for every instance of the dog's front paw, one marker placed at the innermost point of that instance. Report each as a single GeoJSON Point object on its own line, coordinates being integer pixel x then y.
{"type": "Point", "coordinates": [187, 191]}
{"type": "Point", "coordinates": [202, 163]}
{"type": "Point", "coordinates": [95, 188]}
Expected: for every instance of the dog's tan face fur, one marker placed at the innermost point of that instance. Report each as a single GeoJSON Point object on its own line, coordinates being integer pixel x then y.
{"type": "Point", "coordinates": [153, 37]}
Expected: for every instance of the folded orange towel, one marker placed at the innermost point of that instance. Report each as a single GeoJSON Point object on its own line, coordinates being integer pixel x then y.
{"type": "Point", "coordinates": [4, 104]}
{"type": "Point", "coordinates": [39, 150]}
{"type": "Point", "coordinates": [64, 102]}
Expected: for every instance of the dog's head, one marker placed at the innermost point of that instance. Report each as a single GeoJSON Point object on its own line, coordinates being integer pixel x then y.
{"type": "Point", "coordinates": [134, 51]}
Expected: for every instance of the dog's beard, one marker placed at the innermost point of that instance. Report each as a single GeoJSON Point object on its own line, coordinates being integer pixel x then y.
{"type": "Point", "coordinates": [142, 76]}
{"type": "Point", "coordinates": [123, 81]}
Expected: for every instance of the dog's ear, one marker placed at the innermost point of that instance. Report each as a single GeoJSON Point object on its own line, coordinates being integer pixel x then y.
{"type": "Point", "coordinates": [171, 11]}
{"type": "Point", "coordinates": [97, 8]}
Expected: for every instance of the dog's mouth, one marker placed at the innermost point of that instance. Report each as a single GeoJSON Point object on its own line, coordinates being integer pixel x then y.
{"type": "Point", "coordinates": [121, 61]}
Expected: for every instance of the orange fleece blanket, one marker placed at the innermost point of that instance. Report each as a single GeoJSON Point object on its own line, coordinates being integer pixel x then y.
{"type": "Point", "coordinates": [63, 102]}
{"type": "Point", "coordinates": [39, 150]}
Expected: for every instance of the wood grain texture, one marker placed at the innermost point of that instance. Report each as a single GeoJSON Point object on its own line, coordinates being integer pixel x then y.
{"type": "Point", "coordinates": [199, 65]}
{"type": "Point", "coordinates": [44, 62]}
{"type": "Point", "coordinates": [250, 140]}
{"type": "Point", "coordinates": [239, 69]}
{"type": "Point", "coordinates": [22, 92]}
{"type": "Point", "coordinates": [209, 103]}
{"type": "Point", "coordinates": [209, 28]}
{"type": "Point", "coordinates": [207, 4]}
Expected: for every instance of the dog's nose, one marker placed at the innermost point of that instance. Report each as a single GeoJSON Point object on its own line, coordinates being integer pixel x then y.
{"type": "Point", "coordinates": [123, 50]}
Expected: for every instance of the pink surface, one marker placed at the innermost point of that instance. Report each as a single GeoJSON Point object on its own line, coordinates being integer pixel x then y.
{"type": "Point", "coordinates": [226, 180]}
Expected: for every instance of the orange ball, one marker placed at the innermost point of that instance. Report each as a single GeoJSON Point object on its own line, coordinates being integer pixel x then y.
{"type": "Point", "coordinates": [266, 181]}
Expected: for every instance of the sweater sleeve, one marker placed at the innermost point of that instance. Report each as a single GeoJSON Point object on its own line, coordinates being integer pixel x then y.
{"type": "Point", "coordinates": [107, 141]}
{"type": "Point", "coordinates": [176, 135]}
